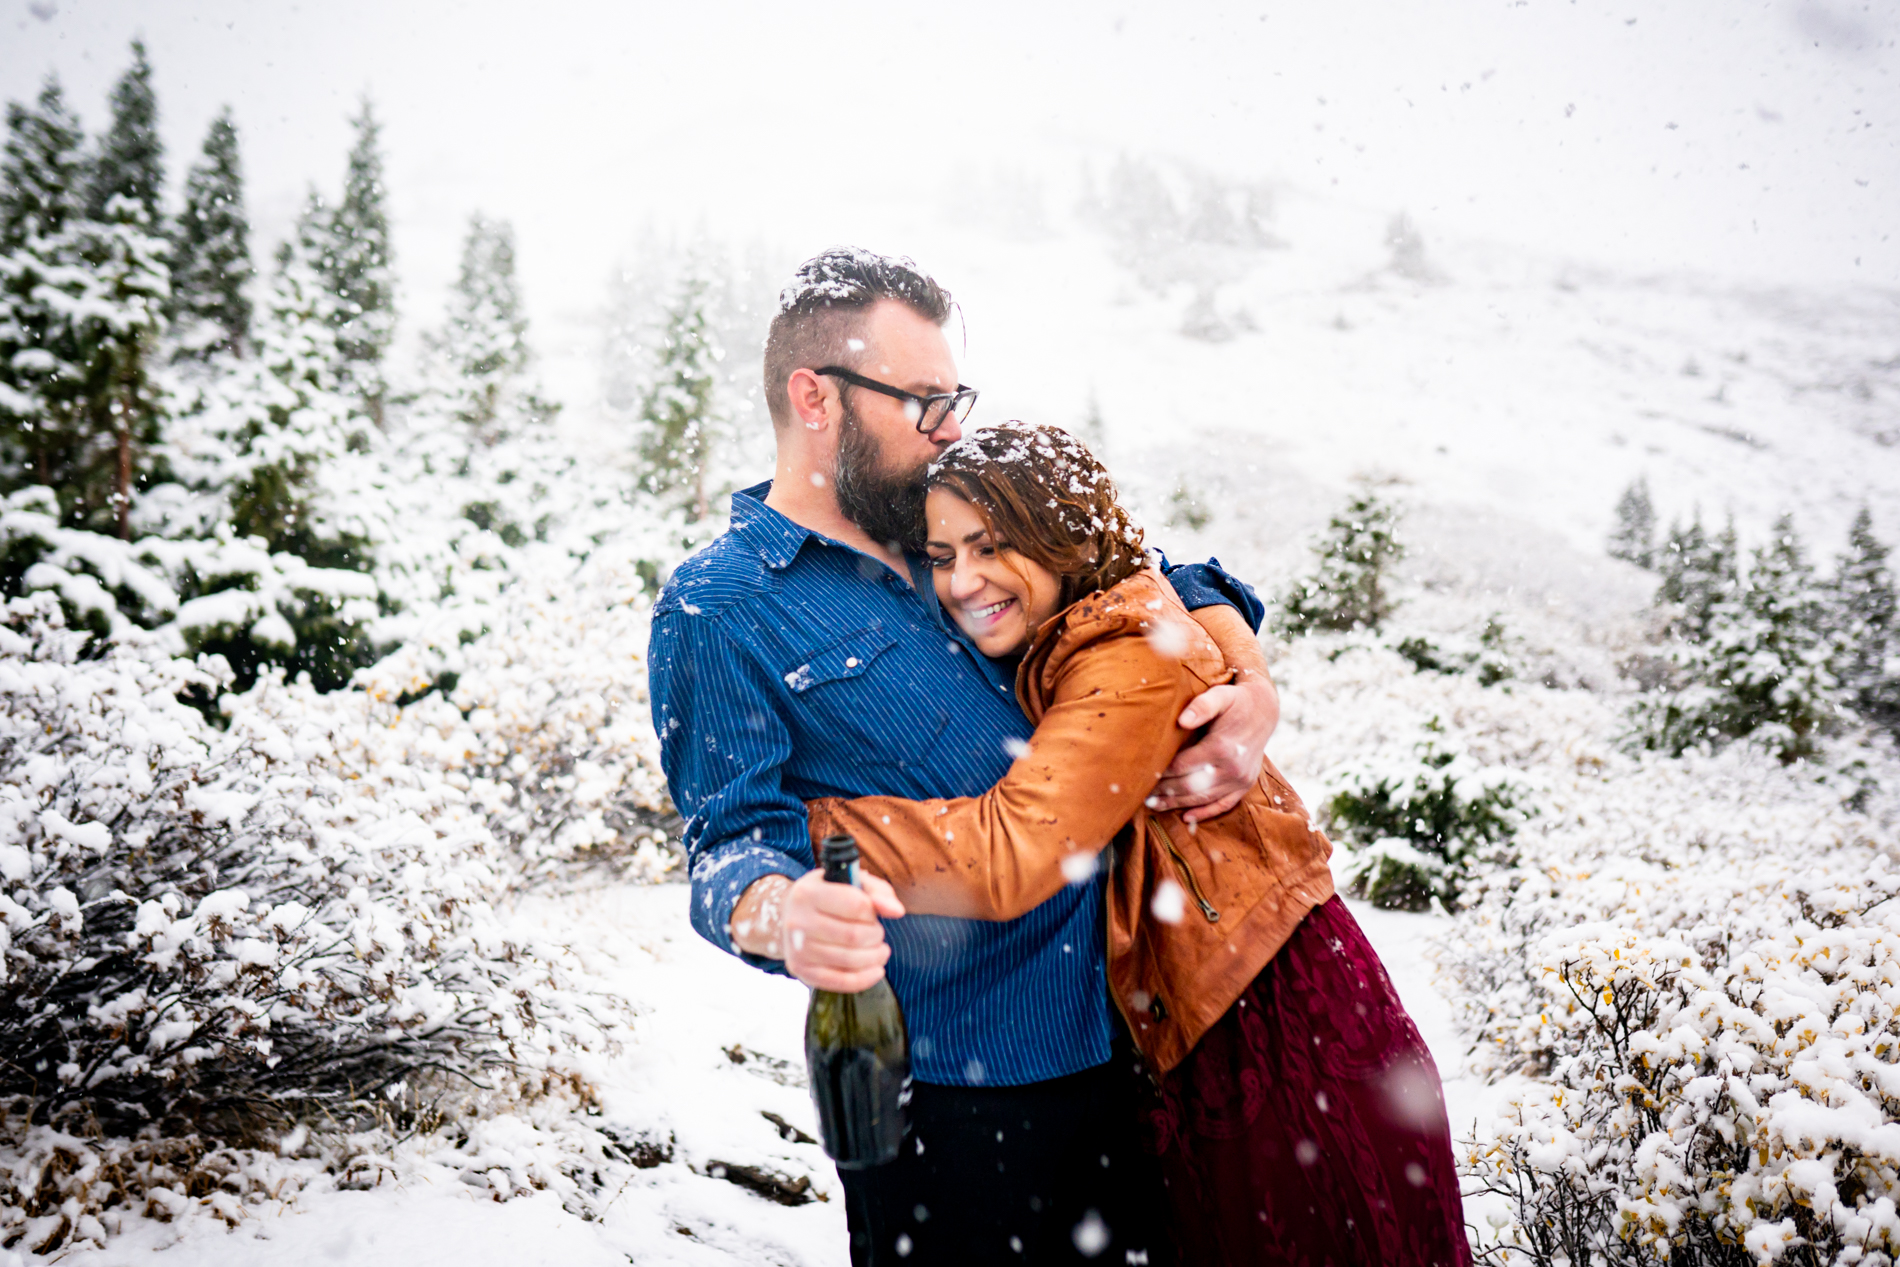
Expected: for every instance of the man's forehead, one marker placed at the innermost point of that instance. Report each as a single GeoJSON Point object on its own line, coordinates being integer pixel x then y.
{"type": "Point", "coordinates": [901, 343]}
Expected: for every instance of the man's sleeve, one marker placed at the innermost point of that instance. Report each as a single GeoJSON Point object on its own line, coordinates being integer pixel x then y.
{"type": "Point", "coordinates": [1209, 585]}
{"type": "Point", "coordinates": [723, 745]}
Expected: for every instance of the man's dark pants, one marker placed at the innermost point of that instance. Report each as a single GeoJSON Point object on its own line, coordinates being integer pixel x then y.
{"type": "Point", "coordinates": [1051, 1172]}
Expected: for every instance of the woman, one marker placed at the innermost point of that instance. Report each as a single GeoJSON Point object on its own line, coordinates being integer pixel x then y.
{"type": "Point", "coordinates": [1295, 1112]}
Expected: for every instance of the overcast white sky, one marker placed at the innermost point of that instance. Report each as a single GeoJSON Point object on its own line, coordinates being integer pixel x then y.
{"type": "Point", "coordinates": [1748, 138]}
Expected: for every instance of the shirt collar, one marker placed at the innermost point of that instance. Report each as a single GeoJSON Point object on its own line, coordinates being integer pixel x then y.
{"type": "Point", "coordinates": [778, 541]}
{"type": "Point", "coordinates": [776, 538]}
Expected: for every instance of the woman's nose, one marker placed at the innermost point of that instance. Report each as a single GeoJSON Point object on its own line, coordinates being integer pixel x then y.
{"type": "Point", "coordinates": [964, 582]}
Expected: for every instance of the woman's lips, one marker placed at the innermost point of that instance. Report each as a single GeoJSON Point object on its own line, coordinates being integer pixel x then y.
{"type": "Point", "coordinates": [988, 614]}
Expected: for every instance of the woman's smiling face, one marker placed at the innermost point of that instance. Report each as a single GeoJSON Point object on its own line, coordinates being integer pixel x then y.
{"type": "Point", "coordinates": [996, 596]}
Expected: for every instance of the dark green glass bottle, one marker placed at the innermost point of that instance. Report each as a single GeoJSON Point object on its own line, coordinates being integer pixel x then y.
{"type": "Point", "coordinates": [859, 1053]}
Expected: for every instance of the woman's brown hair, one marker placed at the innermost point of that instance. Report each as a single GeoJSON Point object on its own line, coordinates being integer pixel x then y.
{"type": "Point", "coordinates": [1043, 493]}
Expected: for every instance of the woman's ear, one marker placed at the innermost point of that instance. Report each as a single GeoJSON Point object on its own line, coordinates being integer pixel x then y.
{"type": "Point", "coordinates": [812, 399]}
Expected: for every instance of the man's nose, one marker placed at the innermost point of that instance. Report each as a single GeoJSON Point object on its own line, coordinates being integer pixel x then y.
{"type": "Point", "coordinates": [948, 432]}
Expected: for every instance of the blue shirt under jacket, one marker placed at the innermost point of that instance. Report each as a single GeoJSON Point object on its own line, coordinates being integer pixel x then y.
{"type": "Point", "coordinates": [785, 665]}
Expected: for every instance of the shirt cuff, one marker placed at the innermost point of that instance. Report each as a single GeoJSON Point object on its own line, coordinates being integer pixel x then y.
{"type": "Point", "coordinates": [721, 877]}
{"type": "Point", "coordinates": [1209, 585]}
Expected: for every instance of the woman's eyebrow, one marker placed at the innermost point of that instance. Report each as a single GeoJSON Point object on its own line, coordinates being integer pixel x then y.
{"type": "Point", "coordinates": [979, 534]}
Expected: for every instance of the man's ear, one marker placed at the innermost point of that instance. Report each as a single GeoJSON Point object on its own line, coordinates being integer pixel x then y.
{"type": "Point", "coordinates": [813, 399]}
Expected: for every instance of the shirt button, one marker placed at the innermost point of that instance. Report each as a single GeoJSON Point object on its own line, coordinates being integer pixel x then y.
{"type": "Point", "coordinates": [851, 662]}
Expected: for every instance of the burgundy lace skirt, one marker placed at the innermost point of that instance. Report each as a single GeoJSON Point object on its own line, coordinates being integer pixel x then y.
{"type": "Point", "coordinates": [1308, 1127]}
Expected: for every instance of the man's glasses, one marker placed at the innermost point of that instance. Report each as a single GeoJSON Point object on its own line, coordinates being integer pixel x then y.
{"type": "Point", "coordinates": [927, 412]}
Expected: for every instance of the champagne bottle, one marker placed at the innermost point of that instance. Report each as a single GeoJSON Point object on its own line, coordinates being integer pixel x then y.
{"type": "Point", "coordinates": [859, 1053]}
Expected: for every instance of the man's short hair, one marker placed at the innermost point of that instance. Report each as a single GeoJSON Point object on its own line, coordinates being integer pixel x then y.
{"type": "Point", "coordinates": [826, 304]}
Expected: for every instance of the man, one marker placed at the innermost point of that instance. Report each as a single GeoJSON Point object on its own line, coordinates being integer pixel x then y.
{"type": "Point", "coordinates": [803, 654]}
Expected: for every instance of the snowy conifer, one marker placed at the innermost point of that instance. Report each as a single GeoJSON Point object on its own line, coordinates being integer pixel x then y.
{"type": "Point", "coordinates": [1348, 589]}
{"type": "Point", "coordinates": [1634, 537]}
{"type": "Point", "coordinates": [482, 346]}
{"type": "Point", "coordinates": [1698, 571]}
{"type": "Point", "coordinates": [1762, 668]}
{"type": "Point", "coordinates": [1866, 626]}
{"type": "Point", "coordinates": [116, 316]}
{"type": "Point", "coordinates": [358, 265]}
{"type": "Point", "coordinates": [40, 191]}
{"type": "Point", "coordinates": [683, 423]}
{"type": "Point", "coordinates": [131, 158]}
{"type": "Point", "coordinates": [82, 300]}
{"type": "Point", "coordinates": [211, 254]}
{"type": "Point", "coordinates": [41, 180]}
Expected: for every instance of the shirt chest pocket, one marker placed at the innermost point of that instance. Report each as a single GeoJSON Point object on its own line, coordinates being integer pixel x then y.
{"type": "Point", "coordinates": [854, 695]}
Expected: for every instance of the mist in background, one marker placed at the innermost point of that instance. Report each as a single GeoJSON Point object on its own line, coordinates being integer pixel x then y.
{"type": "Point", "coordinates": [1750, 142]}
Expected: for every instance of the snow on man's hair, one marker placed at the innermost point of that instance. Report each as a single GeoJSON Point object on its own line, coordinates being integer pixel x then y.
{"type": "Point", "coordinates": [825, 305]}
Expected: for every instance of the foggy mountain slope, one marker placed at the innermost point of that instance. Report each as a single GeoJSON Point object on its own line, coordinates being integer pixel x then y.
{"type": "Point", "coordinates": [1508, 398]}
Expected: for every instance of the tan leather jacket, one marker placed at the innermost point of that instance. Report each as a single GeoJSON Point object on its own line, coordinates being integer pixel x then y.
{"type": "Point", "coordinates": [1105, 681]}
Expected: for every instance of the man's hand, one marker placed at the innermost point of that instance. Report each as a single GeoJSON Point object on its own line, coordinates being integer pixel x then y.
{"type": "Point", "coordinates": [1213, 775]}
{"type": "Point", "coordinates": [827, 934]}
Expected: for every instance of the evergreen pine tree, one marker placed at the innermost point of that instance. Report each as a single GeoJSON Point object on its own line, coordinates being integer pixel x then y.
{"type": "Point", "coordinates": [40, 192]}
{"type": "Point", "coordinates": [1634, 537]}
{"type": "Point", "coordinates": [1698, 571]}
{"type": "Point", "coordinates": [81, 306]}
{"type": "Point", "coordinates": [359, 266]}
{"type": "Point", "coordinates": [115, 323]}
{"type": "Point", "coordinates": [42, 174]}
{"type": "Point", "coordinates": [682, 424]}
{"type": "Point", "coordinates": [1348, 590]}
{"type": "Point", "coordinates": [1763, 667]}
{"type": "Point", "coordinates": [483, 344]}
{"type": "Point", "coordinates": [1094, 429]}
{"type": "Point", "coordinates": [1866, 624]}
{"type": "Point", "coordinates": [131, 160]}
{"type": "Point", "coordinates": [211, 269]}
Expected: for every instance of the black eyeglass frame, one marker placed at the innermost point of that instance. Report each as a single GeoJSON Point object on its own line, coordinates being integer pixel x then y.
{"type": "Point", "coordinates": [959, 402]}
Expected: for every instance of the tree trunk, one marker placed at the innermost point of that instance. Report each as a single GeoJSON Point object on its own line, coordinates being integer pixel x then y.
{"type": "Point", "coordinates": [125, 475]}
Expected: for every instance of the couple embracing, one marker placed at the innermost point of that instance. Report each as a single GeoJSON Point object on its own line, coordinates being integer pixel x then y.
{"type": "Point", "coordinates": [1143, 1029]}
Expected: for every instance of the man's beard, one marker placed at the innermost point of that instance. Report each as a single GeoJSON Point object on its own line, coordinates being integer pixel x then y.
{"type": "Point", "coordinates": [888, 505]}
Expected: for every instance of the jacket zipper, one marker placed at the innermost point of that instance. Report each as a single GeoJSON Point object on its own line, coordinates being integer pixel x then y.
{"type": "Point", "coordinates": [1187, 873]}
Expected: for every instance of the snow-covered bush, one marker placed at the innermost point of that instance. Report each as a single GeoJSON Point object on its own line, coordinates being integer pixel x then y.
{"type": "Point", "coordinates": [1486, 657]}
{"type": "Point", "coordinates": [212, 933]}
{"type": "Point", "coordinates": [1703, 973]}
{"type": "Point", "coordinates": [563, 758]}
{"type": "Point", "coordinates": [1689, 968]}
{"type": "Point", "coordinates": [1421, 823]}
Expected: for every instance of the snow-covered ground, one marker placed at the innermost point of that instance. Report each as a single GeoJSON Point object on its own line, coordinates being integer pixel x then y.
{"type": "Point", "coordinates": [695, 1007]}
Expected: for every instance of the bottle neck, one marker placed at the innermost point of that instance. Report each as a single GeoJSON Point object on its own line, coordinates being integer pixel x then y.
{"type": "Point", "coordinates": [842, 871]}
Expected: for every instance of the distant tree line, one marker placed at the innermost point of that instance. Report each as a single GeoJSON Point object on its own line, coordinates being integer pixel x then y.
{"type": "Point", "coordinates": [1763, 646]}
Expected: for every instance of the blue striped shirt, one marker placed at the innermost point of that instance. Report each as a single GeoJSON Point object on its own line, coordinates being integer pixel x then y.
{"type": "Point", "coordinates": [785, 665]}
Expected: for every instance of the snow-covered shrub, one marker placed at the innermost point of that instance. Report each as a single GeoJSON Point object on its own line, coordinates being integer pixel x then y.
{"type": "Point", "coordinates": [1716, 1029]}
{"type": "Point", "coordinates": [215, 931]}
{"type": "Point", "coordinates": [552, 695]}
{"type": "Point", "coordinates": [1419, 824]}
{"type": "Point", "coordinates": [1486, 657]}
{"type": "Point", "coordinates": [1347, 590]}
